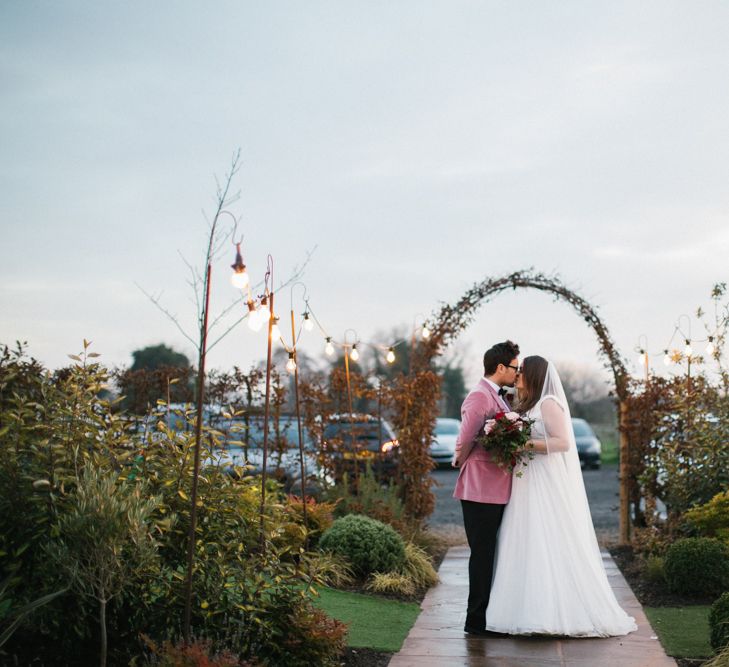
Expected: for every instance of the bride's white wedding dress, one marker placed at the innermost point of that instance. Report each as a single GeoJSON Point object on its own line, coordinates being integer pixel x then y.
{"type": "Point", "coordinates": [549, 577]}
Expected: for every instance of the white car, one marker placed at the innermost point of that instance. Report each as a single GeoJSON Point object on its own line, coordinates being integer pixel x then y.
{"type": "Point", "coordinates": [443, 446]}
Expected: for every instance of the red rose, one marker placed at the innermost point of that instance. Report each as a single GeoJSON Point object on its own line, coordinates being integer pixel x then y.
{"type": "Point", "coordinates": [499, 415]}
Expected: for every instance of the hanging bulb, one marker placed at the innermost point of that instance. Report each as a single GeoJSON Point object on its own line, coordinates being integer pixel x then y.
{"type": "Point", "coordinates": [308, 322]}
{"type": "Point", "coordinates": [275, 331]}
{"type": "Point", "coordinates": [641, 357]}
{"type": "Point", "coordinates": [667, 358]}
{"type": "Point", "coordinates": [710, 348]}
{"type": "Point", "coordinates": [390, 356]}
{"type": "Point", "coordinates": [291, 363]}
{"type": "Point", "coordinates": [254, 318]}
{"type": "Point", "coordinates": [329, 348]}
{"type": "Point", "coordinates": [264, 312]}
{"type": "Point", "coordinates": [239, 278]}
{"type": "Point", "coordinates": [688, 351]}
{"type": "Point", "coordinates": [425, 332]}
{"type": "Point", "coordinates": [354, 354]}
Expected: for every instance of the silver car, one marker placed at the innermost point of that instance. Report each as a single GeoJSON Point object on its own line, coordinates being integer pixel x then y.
{"type": "Point", "coordinates": [443, 446]}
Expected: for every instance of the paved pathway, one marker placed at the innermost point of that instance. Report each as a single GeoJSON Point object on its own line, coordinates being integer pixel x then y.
{"type": "Point", "coordinates": [437, 637]}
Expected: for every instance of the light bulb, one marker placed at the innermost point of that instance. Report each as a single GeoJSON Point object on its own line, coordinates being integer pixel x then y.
{"type": "Point", "coordinates": [667, 358]}
{"type": "Point", "coordinates": [354, 354]}
{"type": "Point", "coordinates": [710, 349]}
{"type": "Point", "coordinates": [264, 312]}
{"type": "Point", "coordinates": [275, 331]}
{"type": "Point", "coordinates": [641, 357]}
{"type": "Point", "coordinates": [329, 348]}
{"type": "Point", "coordinates": [425, 332]}
{"type": "Point", "coordinates": [291, 364]}
{"type": "Point", "coordinates": [254, 317]}
{"type": "Point", "coordinates": [239, 279]}
{"type": "Point", "coordinates": [390, 356]}
{"type": "Point", "coordinates": [308, 323]}
{"type": "Point", "coordinates": [688, 351]}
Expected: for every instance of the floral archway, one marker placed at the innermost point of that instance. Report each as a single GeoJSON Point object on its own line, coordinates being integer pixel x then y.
{"type": "Point", "coordinates": [451, 320]}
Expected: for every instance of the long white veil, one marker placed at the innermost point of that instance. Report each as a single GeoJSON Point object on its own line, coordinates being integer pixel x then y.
{"type": "Point", "coordinates": [562, 453]}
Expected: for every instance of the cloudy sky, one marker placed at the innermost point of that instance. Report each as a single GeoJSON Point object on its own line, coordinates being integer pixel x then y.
{"type": "Point", "coordinates": [419, 146]}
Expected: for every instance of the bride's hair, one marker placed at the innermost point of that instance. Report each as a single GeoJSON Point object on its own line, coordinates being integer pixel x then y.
{"type": "Point", "coordinates": [533, 372]}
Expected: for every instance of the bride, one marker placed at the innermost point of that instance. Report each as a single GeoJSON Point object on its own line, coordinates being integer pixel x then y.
{"type": "Point", "coordinates": [549, 576]}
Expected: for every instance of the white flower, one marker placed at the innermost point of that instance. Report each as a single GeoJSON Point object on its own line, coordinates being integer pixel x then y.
{"type": "Point", "coordinates": [489, 425]}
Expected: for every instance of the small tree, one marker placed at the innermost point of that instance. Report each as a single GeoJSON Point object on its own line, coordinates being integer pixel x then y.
{"type": "Point", "coordinates": [105, 539]}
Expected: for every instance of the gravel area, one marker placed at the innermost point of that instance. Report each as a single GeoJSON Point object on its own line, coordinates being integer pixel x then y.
{"type": "Point", "coordinates": [602, 493]}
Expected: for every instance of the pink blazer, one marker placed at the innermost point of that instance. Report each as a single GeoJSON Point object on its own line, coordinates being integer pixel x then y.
{"type": "Point", "coordinates": [479, 479]}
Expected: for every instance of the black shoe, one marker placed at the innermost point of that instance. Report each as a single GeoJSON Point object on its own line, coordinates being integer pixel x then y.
{"type": "Point", "coordinates": [479, 632]}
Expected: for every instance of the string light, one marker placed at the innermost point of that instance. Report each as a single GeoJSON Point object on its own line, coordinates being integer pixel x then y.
{"type": "Point", "coordinates": [642, 355]}
{"type": "Point", "coordinates": [329, 348]}
{"type": "Point", "coordinates": [291, 363]}
{"type": "Point", "coordinates": [264, 312]}
{"type": "Point", "coordinates": [275, 331]}
{"type": "Point", "coordinates": [308, 322]}
{"type": "Point", "coordinates": [390, 356]}
{"type": "Point", "coordinates": [425, 332]}
{"type": "Point", "coordinates": [354, 354]}
{"type": "Point", "coordinates": [710, 348]}
{"type": "Point", "coordinates": [667, 358]}
{"type": "Point", "coordinates": [688, 351]}
{"type": "Point", "coordinates": [254, 317]}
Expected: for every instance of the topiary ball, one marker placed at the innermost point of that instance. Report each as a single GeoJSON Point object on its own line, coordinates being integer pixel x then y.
{"type": "Point", "coordinates": [697, 565]}
{"type": "Point", "coordinates": [719, 623]}
{"type": "Point", "coordinates": [370, 545]}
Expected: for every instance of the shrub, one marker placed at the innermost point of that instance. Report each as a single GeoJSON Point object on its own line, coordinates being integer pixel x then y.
{"type": "Point", "coordinates": [712, 518]}
{"type": "Point", "coordinates": [719, 622]}
{"type": "Point", "coordinates": [197, 653]}
{"type": "Point", "coordinates": [655, 569]}
{"type": "Point", "coordinates": [319, 517]}
{"type": "Point", "coordinates": [697, 565]}
{"type": "Point", "coordinates": [329, 569]}
{"type": "Point", "coordinates": [370, 545]}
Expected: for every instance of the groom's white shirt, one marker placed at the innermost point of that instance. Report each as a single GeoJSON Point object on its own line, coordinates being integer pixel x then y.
{"type": "Point", "coordinates": [497, 389]}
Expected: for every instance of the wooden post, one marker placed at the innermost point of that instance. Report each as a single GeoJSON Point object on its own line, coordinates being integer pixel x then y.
{"type": "Point", "coordinates": [624, 522]}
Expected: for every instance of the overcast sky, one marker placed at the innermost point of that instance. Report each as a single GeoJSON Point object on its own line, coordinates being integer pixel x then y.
{"type": "Point", "coordinates": [420, 146]}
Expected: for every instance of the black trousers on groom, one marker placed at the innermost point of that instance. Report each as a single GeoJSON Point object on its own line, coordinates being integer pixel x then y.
{"type": "Point", "coordinates": [482, 521]}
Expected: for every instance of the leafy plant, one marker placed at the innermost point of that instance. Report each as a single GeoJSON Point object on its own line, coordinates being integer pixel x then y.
{"type": "Point", "coordinates": [391, 582]}
{"type": "Point", "coordinates": [697, 565]}
{"type": "Point", "coordinates": [712, 518]}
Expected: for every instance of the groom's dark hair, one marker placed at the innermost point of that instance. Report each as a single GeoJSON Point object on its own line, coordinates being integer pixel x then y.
{"type": "Point", "coordinates": [501, 353]}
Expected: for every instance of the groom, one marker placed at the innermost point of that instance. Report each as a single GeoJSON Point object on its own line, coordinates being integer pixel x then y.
{"type": "Point", "coordinates": [482, 487]}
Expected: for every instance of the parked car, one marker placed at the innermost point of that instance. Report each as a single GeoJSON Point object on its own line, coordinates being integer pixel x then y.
{"type": "Point", "coordinates": [589, 447]}
{"type": "Point", "coordinates": [354, 442]}
{"type": "Point", "coordinates": [241, 451]}
{"type": "Point", "coordinates": [443, 447]}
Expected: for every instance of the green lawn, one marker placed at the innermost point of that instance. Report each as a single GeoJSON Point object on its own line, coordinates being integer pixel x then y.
{"type": "Point", "coordinates": [683, 631]}
{"type": "Point", "coordinates": [374, 622]}
{"type": "Point", "coordinates": [608, 434]}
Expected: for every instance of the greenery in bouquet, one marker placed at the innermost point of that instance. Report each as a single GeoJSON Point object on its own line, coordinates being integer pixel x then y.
{"type": "Point", "coordinates": [506, 439]}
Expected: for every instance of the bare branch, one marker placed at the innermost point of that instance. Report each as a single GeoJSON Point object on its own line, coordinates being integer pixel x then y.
{"type": "Point", "coordinates": [173, 318]}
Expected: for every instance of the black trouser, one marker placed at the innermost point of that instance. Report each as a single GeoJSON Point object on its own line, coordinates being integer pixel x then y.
{"type": "Point", "coordinates": [482, 521]}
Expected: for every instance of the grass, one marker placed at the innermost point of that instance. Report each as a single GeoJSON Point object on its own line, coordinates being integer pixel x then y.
{"type": "Point", "coordinates": [683, 631]}
{"type": "Point", "coordinates": [374, 622]}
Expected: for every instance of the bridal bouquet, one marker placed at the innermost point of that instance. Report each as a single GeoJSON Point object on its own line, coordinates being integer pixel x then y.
{"type": "Point", "coordinates": [505, 437]}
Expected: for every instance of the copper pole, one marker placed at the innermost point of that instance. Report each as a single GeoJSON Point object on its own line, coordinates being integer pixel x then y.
{"type": "Point", "coordinates": [301, 439]}
{"type": "Point", "coordinates": [196, 468]}
{"type": "Point", "coordinates": [267, 413]}
{"type": "Point", "coordinates": [624, 518]}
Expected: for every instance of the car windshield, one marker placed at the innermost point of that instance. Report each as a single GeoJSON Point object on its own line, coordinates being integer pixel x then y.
{"type": "Point", "coordinates": [582, 429]}
{"type": "Point", "coordinates": [449, 427]}
{"type": "Point", "coordinates": [288, 431]}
